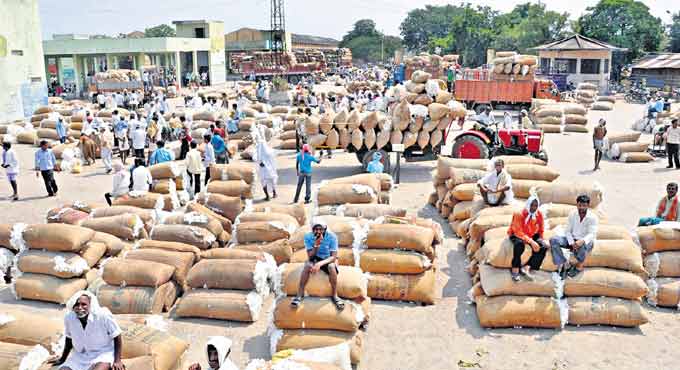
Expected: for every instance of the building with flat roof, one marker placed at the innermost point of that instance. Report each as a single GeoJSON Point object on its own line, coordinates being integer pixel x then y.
{"type": "Point", "coordinates": [580, 58]}
{"type": "Point", "coordinates": [22, 69]}
{"type": "Point", "coordinates": [74, 60]}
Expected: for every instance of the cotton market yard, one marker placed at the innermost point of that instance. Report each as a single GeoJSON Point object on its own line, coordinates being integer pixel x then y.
{"type": "Point", "coordinates": [445, 335]}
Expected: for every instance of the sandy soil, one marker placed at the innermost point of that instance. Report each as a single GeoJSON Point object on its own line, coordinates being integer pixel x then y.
{"type": "Point", "coordinates": [406, 336]}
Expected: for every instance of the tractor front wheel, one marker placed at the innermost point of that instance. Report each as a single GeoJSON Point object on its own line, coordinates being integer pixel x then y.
{"type": "Point", "coordinates": [470, 147]}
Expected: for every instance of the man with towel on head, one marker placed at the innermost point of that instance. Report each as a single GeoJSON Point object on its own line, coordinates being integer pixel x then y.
{"type": "Point", "coordinates": [496, 186]}
{"type": "Point", "coordinates": [218, 350]}
{"type": "Point", "coordinates": [93, 339]}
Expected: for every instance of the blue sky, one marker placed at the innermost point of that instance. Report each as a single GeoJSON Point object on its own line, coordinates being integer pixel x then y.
{"type": "Point", "coordinates": [330, 18]}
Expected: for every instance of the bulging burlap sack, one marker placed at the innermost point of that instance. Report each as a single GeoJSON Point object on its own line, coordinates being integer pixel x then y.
{"type": "Point", "coordinates": [30, 329]}
{"type": "Point", "coordinates": [60, 264]}
{"type": "Point", "coordinates": [459, 176]}
{"type": "Point", "coordinates": [394, 262]}
{"type": "Point", "coordinates": [233, 171]}
{"type": "Point", "coordinates": [269, 216]}
{"type": "Point", "coordinates": [66, 215]}
{"type": "Point", "coordinates": [232, 254]}
{"type": "Point", "coordinates": [124, 272]}
{"type": "Point", "coordinates": [142, 200]}
{"type": "Point", "coordinates": [352, 283]}
{"type": "Point", "coordinates": [663, 264]}
{"type": "Point", "coordinates": [414, 288]}
{"type": "Point", "coordinates": [616, 254]}
{"type": "Point", "coordinates": [597, 281]}
{"type": "Point", "coordinates": [664, 292]}
{"type": "Point", "coordinates": [262, 231]}
{"type": "Point", "coordinates": [16, 356]}
{"type": "Point", "coordinates": [142, 340]}
{"type": "Point", "coordinates": [605, 311]}
{"type": "Point", "coordinates": [228, 207]}
{"type": "Point", "coordinates": [304, 339]}
{"type": "Point", "coordinates": [658, 239]}
{"type": "Point", "coordinates": [113, 244]}
{"type": "Point", "coordinates": [182, 262]}
{"type": "Point", "coordinates": [371, 211]}
{"type": "Point", "coordinates": [137, 299]}
{"type": "Point", "coordinates": [234, 305]}
{"type": "Point", "coordinates": [637, 157]}
{"type": "Point", "coordinates": [514, 311]}
{"type": "Point", "coordinates": [57, 237]}
{"type": "Point", "coordinates": [498, 253]}
{"type": "Point", "coordinates": [147, 215]}
{"type": "Point", "coordinates": [566, 193]}
{"type": "Point", "coordinates": [47, 288]}
{"type": "Point", "coordinates": [295, 210]}
{"type": "Point", "coordinates": [166, 170]}
{"type": "Point", "coordinates": [445, 165]}
{"type": "Point", "coordinates": [169, 246]}
{"type": "Point", "coordinates": [395, 236]}
{"type": "Point", "coordinates": [329, 194]}
{"type": "Point", "coordinates": [231, 188]}
{"type": "Point", "coordinates": [195, 219]}
{"type": "Point", "coordinates": [192, 235]}
{"type": "Point", "coordinates": [238, 274]}
{"type": "Point", "coordinates": [532, 172]}
{"type": "Point", "coordinates": [465, 192]}
{"type": "Point", "coordinates": [280, 250]}
{"type": "Point", "coordinates": [125, 226]}
{"type": "Point", "coordinates": [497, 282]}
{"type": "Point", "coordinates": [317, 313]}
{"type": "Point", "coordinates": [198, 208]}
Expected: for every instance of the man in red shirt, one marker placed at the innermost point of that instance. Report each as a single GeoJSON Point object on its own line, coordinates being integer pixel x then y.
{"type": "Point", "coordinates": [527, 228]}
{"type": "Point", "coordinates": [217, 129]}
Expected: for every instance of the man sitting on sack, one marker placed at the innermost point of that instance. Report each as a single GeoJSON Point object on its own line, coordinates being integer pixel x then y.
{"type": "Point", "coordinates": [579, 238]}
{"type": "Point", "coordinates": [322, 251]}
{"type": "Point", "coordinates": [496, 186]}
{"type": "Point", "coordinates": [666, 210]}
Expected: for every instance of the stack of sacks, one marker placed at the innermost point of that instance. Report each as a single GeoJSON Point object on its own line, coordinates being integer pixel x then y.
{"type": "Point", "coordinates": [661, 247]}
{"type": "Point", "coordinates": [148, 200]}
{"type": "Point", "coordinates": [169, 180]}
{"type": "Point", "coordinates": [137, 286]}
{"type": "Point", "coordinates": [575, 117]}
{"type": "Point", "coordinates": [288, 134]}
{"type": "Point", "coordinates": [509, 63]}
{"type": "Point", "coordinates": [66, 215]}
{"type": "Point", "coordinates": [227, 288]}
{"type": "Point", "coordinates": [604, 103]}
{"type": "Point", "coordinates": [125, 226]}
{"type": "Point", "coordinates": [198, 219]}
{"type": "Point", "coordinates": [55, 261]}
{"type": "Point", "coordinates": [372, 191]}
{"type": "Point", "coordinates": [7, 252]}
{"type": "Point", "coordinates": [548, 301]}
{"type": "Point", "coordinates": [28, 338]}
{"type": "Point", "coordinates": [232, 180]}
{"type": "Point", "coordinates": [267, 232]}
{"type": "Point", "coordinates": [186, 233]}
{"type": "Point", "coordinates": [399, 258]}
{"type": "Point", "coordinates": [431, 62]}
{"type": "Point", "coordinates": [316, 322]}
{"type": "Point", "coordinates": [39, 114]}
{"type": "Point", "coordinates": [626, 148]}
{"type": "Point", "coordinates": [155, 349]}
{"type": "Point", "coordinates": [148, 216]}
{"type": "Point", "coordinates": [554, 118]}
{"type": "Point", "coordinates": [586, 93]}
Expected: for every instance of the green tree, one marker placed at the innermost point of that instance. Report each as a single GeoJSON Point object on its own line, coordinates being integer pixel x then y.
{"type": "Point", "coordinates": [623, 23]}
{"type": "Point", "coordinates": [368, 44]}
{"type": "Point", "coordinates": [529, 25]}
{"type": "Point", "coordinates": [162, 30]}
{"type": "Point", "coordinates": [422, 25]}
{"type": "Point", "coordinates": [674, 34]}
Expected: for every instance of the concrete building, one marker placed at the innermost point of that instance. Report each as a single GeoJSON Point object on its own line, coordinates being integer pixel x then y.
{"type": "Point", "coordinates": [313, 42]}
{"type": "Point", "coordinates": [250, 39]}
{"type": "Point", "coordinates": [580, 58]}
{"type": "Point", "coordinates": [73, 59]}
{"type": "Point", "coordinates": [22, 69]}
{"type": "Point", "coordinates": [659, 70]}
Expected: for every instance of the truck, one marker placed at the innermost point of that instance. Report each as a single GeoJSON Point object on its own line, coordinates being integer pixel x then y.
{"type": "Point", "coordinates": [515, 94]}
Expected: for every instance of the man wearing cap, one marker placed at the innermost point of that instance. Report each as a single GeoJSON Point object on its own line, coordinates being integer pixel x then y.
{"type": "Point", "coordinates": [322, 252]}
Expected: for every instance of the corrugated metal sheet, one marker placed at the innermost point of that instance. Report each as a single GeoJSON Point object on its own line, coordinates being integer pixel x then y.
{"type": "Point", "coordinates": [578, 42]}
{"type": "Point", "coordinates": [659, 61]}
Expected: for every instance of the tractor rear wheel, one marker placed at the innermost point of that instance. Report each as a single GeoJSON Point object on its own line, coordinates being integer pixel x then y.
{"type": "Point", "coordinates": [471, 147]}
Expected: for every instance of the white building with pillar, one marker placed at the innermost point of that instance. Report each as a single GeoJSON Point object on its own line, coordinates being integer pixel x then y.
{"type": "Point", "coordinates": [581, 58]}
{"type": "Point", "coordinates": [75, 59]}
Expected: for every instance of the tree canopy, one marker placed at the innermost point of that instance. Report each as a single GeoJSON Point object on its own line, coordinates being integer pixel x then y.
{"type": "Point", "coordinates": [623, 23]}
{"type": "Point", "coordinates": [368, 44]}
{"type": "Point", "coordinates": [162, 30]}
{"type": "Point", "coordinates": [674, 34]}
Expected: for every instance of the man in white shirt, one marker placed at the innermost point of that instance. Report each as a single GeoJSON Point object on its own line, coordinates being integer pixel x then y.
{"type": "Point", "coordinates": [138, 141]}
{"type": "Point", "coordinates": [141, 176]}
{"type": "Point", "coordinates": [11, 166]}
{"type": "Point", "coordinates": [121, 183]}
{"type": "Point", "coordinates": [496, 186]}
{"type": "Point", "coordinates": [579, 238]}
{"type": "Point", "coordinates": [101, 100]}
{"type": "Point", "coordinates": [672, 144]}
{"type": "Point", "coordinates": [119, 100]}
{"type": "Point", "coordinates": [208, 156]}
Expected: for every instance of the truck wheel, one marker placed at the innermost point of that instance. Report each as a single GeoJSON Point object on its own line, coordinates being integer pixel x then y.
{"type": "Point", "coordinates": [369, 157]}
{"type": "Point", "coordinates": [542, 155]}
{"type": "Point", "coordinates": [470, 147]}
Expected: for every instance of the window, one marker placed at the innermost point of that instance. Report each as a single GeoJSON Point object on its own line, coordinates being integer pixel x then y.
{"type": "Point", "coordinates": [545, 64]}
{"type": "Point", "coordinates": [606, 66]}
{"type": "Point", "coordinates": [565, 65]}
{"type": "Point", "coordinates": [18, 53]}
{"type": "Point", "coordinates": [590, 66]}
{"type": "Point", "coordinates": [200, 33]}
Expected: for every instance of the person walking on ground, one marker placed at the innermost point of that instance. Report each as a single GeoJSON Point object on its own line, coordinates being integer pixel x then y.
{"type": "Point", "coordinates": [44, 165]}
{"type": "Point", "coordinates": [61, 130]}
{"type": "Point", "coordinates": [185, 140]}
{"type": "Point", "coordinates": [672, 144]}
{"type": "Point", "coordinates": [599, 134]}
{"type": "Point", "coordinates": [527, 228]}
{"type": "Point", "coordinates": [194, 167]}
{"type": "Point", "coordinates": [208, 156]}
{"type": "Point", "coordinates": [666, 210]}
{"type": "Point", "coordinates": [124, 145]}
{"type": "Point", "coordinates": [93, 338]}
{"type": "Point", "coordinates": [496, 186]}
{"type": "Point", "coordinates": [141, 177]}
{"type": "Point", "coordinates": [220, 148]}
{"type": "Point", "coordinates": [106, 148]}
{"type": "Point", "coordinates": [579, 238]}
{"type": "Point", "coordinates": [303, 165]}
{"type": "Point", "coordinates": [266, 159]}
{"type": "Point", "coordinates": [161, 155]}
{"type": "Point", "coordinates": [11, 166]}
{"type": "Point", "coordinates": [138, 141]}
{"type": "Point", "coordinates": [322, 253]}
{"type": "Point", "coordinates": [88, 149]}
{"type": "Point", "coordinates": [121, 183]}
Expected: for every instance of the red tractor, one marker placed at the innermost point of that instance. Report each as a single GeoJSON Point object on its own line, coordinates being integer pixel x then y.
{"type": "Point", "coordinates": [487, 141]}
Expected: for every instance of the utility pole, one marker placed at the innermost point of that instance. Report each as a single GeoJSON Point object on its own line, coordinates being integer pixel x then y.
{"type": "Point", "coordinates": [278, 31]}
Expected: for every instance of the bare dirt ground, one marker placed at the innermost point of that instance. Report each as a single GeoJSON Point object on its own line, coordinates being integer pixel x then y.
{"type": "Point", "coordinates": [406, 336]}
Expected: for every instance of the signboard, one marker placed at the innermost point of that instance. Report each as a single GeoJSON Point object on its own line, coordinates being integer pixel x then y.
{"type": "Point", "coordinates": [33, 95]}
{"type": "Point", "coordinates": [399, 148]}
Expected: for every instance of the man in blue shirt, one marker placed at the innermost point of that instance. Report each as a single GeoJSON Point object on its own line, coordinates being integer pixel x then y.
{"type": "Point", "coordinates": [161, 154]}
{"type": "Point", "coordinates": [220, 149]}
{"type": "Point", "coordinates": [303, 164]}
{"type": "Point", "coordinates": [45, 162]}
{"type": "Point", "coordinates": [322, 252]}
{"type": "Point", "coordinates": [61, 130]}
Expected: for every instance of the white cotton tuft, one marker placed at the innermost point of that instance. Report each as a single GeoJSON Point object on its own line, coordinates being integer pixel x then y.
{"type": "Point", "coordinates": [564, 311]}
{"type": "Point", "coordinates": [34, 359]}
{"type": "Point", "coordinates": [254, 302]}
